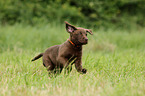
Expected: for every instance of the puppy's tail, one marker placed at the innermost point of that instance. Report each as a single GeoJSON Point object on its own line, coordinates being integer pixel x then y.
{"type": "Point", "coordinates": [37, 57]}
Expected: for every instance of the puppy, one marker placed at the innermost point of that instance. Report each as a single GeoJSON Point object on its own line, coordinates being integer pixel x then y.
{"type": "Point", "coordinates": [57, 57]}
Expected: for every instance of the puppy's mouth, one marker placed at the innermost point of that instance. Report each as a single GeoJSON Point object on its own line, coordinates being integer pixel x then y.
{"type": "Point", "coordinates": [84, 42]}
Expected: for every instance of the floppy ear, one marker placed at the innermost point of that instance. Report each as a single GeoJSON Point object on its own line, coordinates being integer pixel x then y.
{"type": "Point", "coordinates": [70, 28]}
{"type": "Point", "coordinates": [89, 31]}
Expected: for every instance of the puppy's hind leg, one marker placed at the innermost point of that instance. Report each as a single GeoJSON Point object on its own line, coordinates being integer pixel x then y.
{"type": "Point", "coordinates": [49, 66]}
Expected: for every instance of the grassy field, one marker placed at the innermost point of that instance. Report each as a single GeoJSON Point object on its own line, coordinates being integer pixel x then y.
{"type": "Point", "coordinates": [115, 60]}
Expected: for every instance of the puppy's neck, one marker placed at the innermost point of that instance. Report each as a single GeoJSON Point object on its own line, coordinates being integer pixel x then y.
{"type": "Point", "coordinates": [74, 45]}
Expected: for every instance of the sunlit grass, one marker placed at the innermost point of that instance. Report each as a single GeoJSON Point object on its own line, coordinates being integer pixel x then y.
{"type": "Point", "coordinates": [114, 60]}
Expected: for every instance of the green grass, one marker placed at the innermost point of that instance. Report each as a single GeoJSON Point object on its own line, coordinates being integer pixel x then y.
{"type": "Point", "coordinates": [115, 61]}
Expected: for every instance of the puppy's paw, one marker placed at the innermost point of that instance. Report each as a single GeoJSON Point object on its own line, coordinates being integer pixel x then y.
{"type": "Point", "coordinates": [84, 71]}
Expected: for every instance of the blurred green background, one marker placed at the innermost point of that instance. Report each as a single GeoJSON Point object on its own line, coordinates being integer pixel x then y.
{"type": "Point", "coordinates": [114, 55]}
{"type": "Point", "coordinates": [92, 13]}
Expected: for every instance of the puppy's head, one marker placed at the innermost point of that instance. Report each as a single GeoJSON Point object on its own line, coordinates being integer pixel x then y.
{"type": "Point", "coordinates": [78, 35]}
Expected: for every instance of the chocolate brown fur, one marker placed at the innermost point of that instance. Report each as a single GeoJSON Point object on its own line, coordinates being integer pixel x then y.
{"type": "Point", "coordinates": [57, 57]}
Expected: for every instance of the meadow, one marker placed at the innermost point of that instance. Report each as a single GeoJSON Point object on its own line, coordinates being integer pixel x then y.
{"type": "Point", "coordinates": [115, 60]}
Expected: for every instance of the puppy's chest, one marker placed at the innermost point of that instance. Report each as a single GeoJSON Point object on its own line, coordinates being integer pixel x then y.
{"type": "Point", "coordinates": [72, 55]}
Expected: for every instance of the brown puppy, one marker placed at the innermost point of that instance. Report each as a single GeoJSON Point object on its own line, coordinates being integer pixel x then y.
{"type": "Point", "coordinates": [58, 57]}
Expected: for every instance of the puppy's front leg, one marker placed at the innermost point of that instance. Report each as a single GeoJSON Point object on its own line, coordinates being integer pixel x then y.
{"type": "Point", "coordinates": [78, 65]}
{"type": "Point", "coordinates": [62, 62]}
{"type": "Point", "coordinates": [65, 63]}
